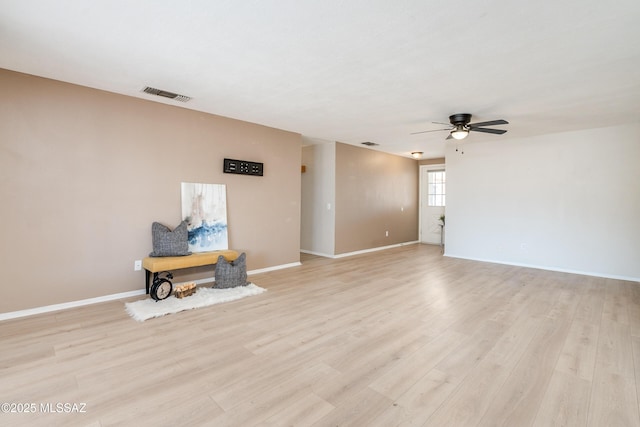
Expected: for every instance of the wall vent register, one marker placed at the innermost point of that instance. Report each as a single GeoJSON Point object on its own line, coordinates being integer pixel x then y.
{"type": "Point", "coordinates": [166, 94]}
{"type": "Point", "coordinates": [243, 167]}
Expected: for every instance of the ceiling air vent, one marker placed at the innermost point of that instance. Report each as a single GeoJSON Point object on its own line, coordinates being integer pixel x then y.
{"type": "Point", "coordinates": [369, 144]}
{"type": "Point", "coordinates": [164, 93]}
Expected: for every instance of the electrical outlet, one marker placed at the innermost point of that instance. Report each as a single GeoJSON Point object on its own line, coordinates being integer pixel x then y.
{"type": "Point", "coordinates": [137, 265]}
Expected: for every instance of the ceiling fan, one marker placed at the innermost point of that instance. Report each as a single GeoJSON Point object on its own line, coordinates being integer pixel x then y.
{"type": "Point", "coordinates": [460, 126]}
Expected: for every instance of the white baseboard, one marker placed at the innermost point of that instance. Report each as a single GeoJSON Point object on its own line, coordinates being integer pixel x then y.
{"type": "Point", "coordinates": [380, 248]}
{"type": "Point", "coordinates": [322, 254]}
{"type": "Point", "coordinates": [71, 304]}
{"type": "Point", "coordinates": [277, 267]}
{"type": "Point", "coordinates": [364, 251]}
{"type": "Point", "coordinates": [122, 295]}
{"type": "Point", "coordinates": [542, 267]}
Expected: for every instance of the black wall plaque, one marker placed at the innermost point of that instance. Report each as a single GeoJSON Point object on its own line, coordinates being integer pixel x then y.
{"type": "Point", "coordinates": [243, 167]}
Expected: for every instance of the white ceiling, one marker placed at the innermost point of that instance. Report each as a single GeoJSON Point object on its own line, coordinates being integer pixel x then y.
{"type": "Point", "coordinates": [348, 70]}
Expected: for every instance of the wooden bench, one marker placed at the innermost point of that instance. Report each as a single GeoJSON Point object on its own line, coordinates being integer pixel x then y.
{"type": "Point", "coordinates": [156, 265]}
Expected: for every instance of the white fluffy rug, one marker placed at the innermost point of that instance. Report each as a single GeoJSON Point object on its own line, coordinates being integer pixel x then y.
{"type": "Point", "coordinates": [148, 308]}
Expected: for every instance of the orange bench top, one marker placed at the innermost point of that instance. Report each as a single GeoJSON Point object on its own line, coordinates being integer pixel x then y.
{"type": "Point", "coordinates": [168, 263]}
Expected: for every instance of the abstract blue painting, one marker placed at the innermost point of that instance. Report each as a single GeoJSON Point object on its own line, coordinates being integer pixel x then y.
{"type": "Point", "coordinates": [204, 207]}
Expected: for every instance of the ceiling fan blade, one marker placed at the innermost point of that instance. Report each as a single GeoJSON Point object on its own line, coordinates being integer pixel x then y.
{"type": "Point", "coordinates": [486, 130]}
{"type": "Point", "coordinates": [425, 131]}
{"type": "Point", "coordinates": [449, 137]}
{"type": "Point", "coordinates": [490, 123]}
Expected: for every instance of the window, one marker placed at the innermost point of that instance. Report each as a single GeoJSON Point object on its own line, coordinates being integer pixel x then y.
{"type": "Point", "coordinates": [436, 188]}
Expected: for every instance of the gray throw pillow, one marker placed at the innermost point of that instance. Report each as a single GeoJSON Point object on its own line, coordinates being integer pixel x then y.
{"type": "Point", "coordinates": [170, 243]}
{"type": "Point", "coordinates": [231, 274]}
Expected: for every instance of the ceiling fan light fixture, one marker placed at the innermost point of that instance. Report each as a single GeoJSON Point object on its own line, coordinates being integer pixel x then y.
{"type": "Point", "coordinates": [416, 154]}
{"type": "Point", "coordinates": [460, 132]}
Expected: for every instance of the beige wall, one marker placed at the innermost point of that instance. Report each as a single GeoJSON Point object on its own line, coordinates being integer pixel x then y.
{"type": "Point", "coordinates": [84, 173]}
{"type": "Point", "coordinates": [375, 192]}
{"type": "Point", "coordinates": [436, 161]}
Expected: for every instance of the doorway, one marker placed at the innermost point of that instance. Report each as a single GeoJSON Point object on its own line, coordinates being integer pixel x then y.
{"type": "Point", "coordinates": [432, 203]}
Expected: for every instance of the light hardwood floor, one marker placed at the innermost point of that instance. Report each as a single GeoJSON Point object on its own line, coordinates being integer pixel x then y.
{"type": "Point", "coordinates": [397, 337]}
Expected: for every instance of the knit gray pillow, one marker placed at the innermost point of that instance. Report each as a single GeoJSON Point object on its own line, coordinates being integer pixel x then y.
{"type": "Point", "coordinates": [169, 243]}
{"type": "Point", "coordinates": [231, 274]}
